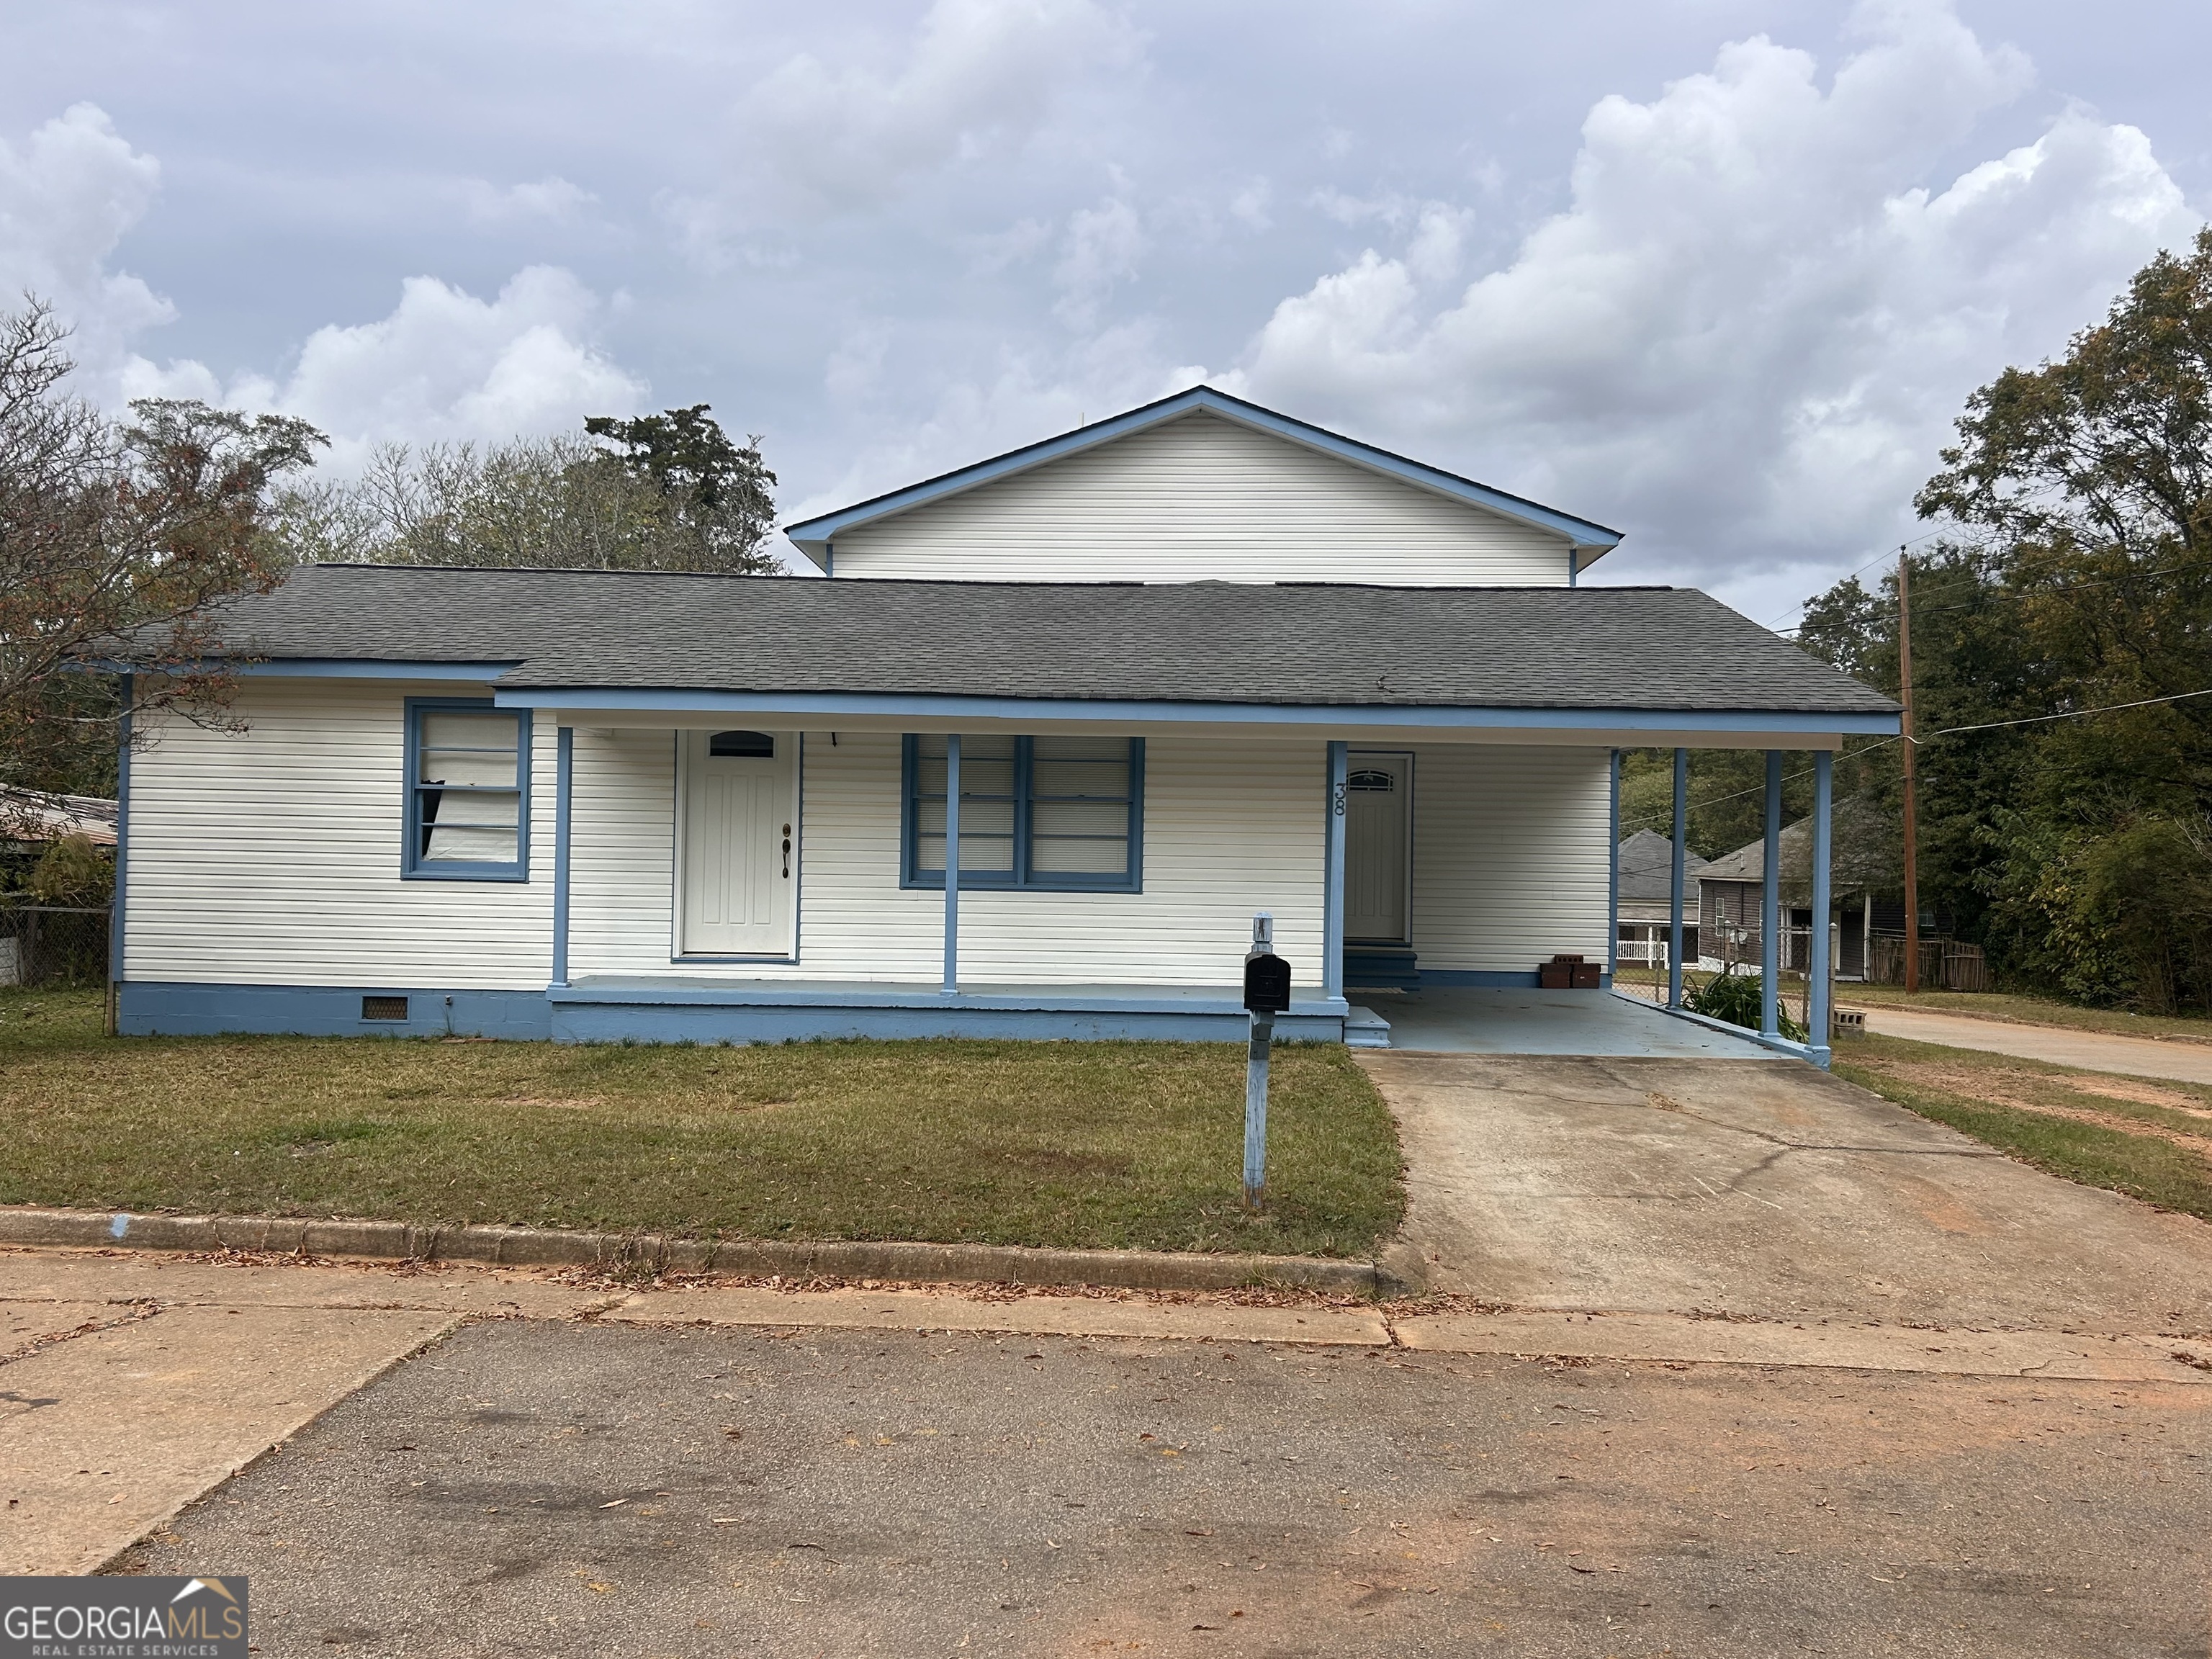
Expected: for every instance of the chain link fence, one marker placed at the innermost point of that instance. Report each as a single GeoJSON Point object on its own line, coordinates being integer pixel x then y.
{"type": "Point", "coordinates": [45, 944]}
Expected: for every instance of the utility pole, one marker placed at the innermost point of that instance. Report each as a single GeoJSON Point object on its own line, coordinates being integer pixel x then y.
{"type": "Point", "coordinates": [1911, 804]}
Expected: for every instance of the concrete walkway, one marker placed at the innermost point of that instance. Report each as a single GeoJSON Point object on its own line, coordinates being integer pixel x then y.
{"type": "Point", "coordinates": [2095, 1051]}
{"type": "Point", "coordinates": [1768, 1192]}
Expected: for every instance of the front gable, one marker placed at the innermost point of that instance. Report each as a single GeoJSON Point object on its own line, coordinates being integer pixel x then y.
{"type": "Point", "coordinates": [1203, 487]}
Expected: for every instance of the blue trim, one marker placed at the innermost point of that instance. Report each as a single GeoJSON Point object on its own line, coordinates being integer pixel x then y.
{"type": "Point", "coordinates": [1677, 891]}
{"type": "Point", "coordinates": [1332, 908]}
{"type": "Point", "coordinates": [1023, 875]}
{"type": "Point", "coordinates": [153, 1008]}
{"type": "Point", "coordinates": [1816, 989]}
{"type": "Point", "coordinates": [346, 669]}
{"type": "Point", "coordinates": [564, 777]}
{"type": "Point", "coordinates": [810, 535]}
{"type": "Point", "coordinates": [1520, 979]}
{"type": "Point", "coordinates": [413, 867]}
{"type": "Point", "coordinates": [115, 919]}
{"type": "Point", "coordinates": [1769, 906]}
{"type": "Point", "coordinates": [951, 875]}
{"type": "Point", "coordinates": [937, 712]}
{"type": "Point", "coordinates": [1612, 871]}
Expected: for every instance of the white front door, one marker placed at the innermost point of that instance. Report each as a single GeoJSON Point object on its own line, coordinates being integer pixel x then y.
{"type": "Point", "coordinates": [739, 863]}
{"type": "Point", "coordinates": [1378, 847]}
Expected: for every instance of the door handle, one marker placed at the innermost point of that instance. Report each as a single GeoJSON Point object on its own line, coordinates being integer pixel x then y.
{"type": "Point", "coordinates": [787, 851]}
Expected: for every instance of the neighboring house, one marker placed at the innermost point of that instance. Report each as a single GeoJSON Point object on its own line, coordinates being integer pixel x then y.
{"type": "Point", "coordinates": [1860, 862]}
{"type": "Point", "coordinates": [1644, 912]}
{"type": "Point", "coordinates": [1122, 671]}
{"type": "Point", "coordinates": [30, 821]}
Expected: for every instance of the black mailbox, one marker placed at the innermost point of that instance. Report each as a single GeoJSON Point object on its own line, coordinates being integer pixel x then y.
{"type": "Point", "coordinates": [1266, 983]}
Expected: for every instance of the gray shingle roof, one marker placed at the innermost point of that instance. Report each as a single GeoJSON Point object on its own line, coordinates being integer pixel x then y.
{"type": "Point", "coordinates": [1589, 647]}
{"type": "Point", "coordinates": [1646, 865]}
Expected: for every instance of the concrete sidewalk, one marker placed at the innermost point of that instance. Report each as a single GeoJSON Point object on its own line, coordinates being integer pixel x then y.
{"type": "Point", "coordinates": [2055, 1045]}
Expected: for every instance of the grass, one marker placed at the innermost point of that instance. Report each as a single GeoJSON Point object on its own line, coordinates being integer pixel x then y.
{"type": "Point", "coordinates": [1117, 1144]}
{"type": "Point", "coordinates": [2152, 1140]}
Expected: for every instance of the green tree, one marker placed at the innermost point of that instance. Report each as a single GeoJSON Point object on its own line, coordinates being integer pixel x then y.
{"type": "Point", "coordinates": [2074, 576]}
{"type": "Point", "coordinates": [663, 492]}
{"type": "Point", "coordinates": [119, 543]}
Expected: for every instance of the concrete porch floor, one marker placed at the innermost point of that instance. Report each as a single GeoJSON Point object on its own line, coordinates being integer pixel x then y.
{"type": "Point", "coordinates": [1485, 1020]}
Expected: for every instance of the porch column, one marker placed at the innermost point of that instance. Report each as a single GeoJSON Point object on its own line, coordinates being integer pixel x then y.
{"type": "Point", "coordinates": [1816, 990]}
{"type": "Point", "coordinates": [1674, 896]}
{"type": "Point", "coordinates": [564, 770]}
{"type": "Point", "coordinates": [1613, 868]}
{"type": "Point", "coordinates": [1332, 904]}
{"type": "Point", "coordinates": [1769, 905]}
{"type": "Point", "coordinates": [952, 864]}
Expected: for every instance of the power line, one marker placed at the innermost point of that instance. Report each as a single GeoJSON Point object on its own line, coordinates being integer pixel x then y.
{"type": "Point", "coordinates": [2071, 713]}
{"type": "Point", "coordinates": [1861, 571]}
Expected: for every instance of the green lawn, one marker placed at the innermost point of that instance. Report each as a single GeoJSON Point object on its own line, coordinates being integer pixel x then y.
{"type": "Point", "coordinates": [1126, 1145]}
{"type": "Point", "coordinates": [2150, 1140]}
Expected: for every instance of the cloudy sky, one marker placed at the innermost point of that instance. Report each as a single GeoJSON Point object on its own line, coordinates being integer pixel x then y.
{"type": "Point", "coordinates": [1718, 272]}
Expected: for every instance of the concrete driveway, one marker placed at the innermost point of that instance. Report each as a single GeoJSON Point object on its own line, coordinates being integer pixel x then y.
{"type": "Point", "coordinates": [1768, 1191]}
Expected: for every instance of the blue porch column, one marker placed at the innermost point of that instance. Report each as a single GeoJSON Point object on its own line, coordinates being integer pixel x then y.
{"type": "Point", "coordinates": [1332, 910]}
{"type": "Point", "coordinates": [952, 864]}
{"type": "Point", "coordinates": [1675, 893]}
{"type": "Point", "coordinates": [1816, 993]}
{"type": "Point", "coordinates": [564, 773]}
{"type": "Point", "coordinates": [1769, 905]}
{"type": "Point", "coordinates": [1613, 866]}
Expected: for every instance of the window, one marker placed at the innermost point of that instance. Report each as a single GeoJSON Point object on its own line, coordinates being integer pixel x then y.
{"type": "Point", "coordinates": [468, 790]}
{"type": "Point", "coordinates": [742, 745]}
{"type": "Point", "coordinates": [1052, 812]}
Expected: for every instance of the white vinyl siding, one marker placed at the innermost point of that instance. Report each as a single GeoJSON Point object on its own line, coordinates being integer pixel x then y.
{"type": "Point", "coordinates": [1230, 827]}
{"type": "Point", "coordinates": [272, 855]}
{"type": "Point", "coordinates": [1203, 498]}
{"type": "Point", "coordinates": [1511, 850]}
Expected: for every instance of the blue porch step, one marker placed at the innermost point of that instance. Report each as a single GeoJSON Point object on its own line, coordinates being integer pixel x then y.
{"type": "Point", "coordinates": [1379, 968]}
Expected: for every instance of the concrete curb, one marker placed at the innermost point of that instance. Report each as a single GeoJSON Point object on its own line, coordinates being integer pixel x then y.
{"type": "Point", "coordinates": [539, 1247]}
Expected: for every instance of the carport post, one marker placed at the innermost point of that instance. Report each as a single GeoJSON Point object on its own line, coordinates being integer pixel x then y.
{"type": "Point", "coordinates": [1674, 914]}
{"type": "Point", "coordinates": [1816, 988]}
{"type": "Point", "coordinates": [1612, 880]}
{"type": "Point", "coordinates": [1769, 905]}
{"type": "Point", "coordinates": [952, 864]}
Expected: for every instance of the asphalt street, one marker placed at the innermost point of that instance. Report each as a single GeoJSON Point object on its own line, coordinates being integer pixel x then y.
{"type": "Point", "coordinates": [587, 1488]}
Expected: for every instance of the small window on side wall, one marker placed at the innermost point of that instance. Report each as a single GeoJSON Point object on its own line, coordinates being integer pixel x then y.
{"type": "Point", "coordinates": [468, 790]}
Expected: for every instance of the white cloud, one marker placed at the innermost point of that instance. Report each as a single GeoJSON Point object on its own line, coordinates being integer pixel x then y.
{"type": "Point", "coordinates": [978, 76]}
{"type": "Point", "coordinates": [551, 200]}
{"type": "Point", "coordinates": [443, 366]}
{"type": "Point", "coordinates": [66, 199]}
{"type": "Point", "coordinates": [1101, 249]}
{"type": "Point", "coordinates": [1745, 337]}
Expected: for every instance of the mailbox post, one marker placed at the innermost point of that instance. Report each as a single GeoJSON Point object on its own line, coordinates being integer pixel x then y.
{"type": "Point", "coordinates": [1267, 993]}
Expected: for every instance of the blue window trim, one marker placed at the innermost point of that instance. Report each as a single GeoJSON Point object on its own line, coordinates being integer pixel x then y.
{"type": "Point", "coordinates": [412, 868]}
{"type": "Point", "coordinates": [1022, 877]}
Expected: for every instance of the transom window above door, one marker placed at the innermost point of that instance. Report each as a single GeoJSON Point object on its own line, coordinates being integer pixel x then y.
{"type": "Point", "coordinates": [1046, 812]}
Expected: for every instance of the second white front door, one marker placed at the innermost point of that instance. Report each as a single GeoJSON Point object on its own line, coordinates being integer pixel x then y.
{"type": "Point", "coordinates": [1378, 847]}
{"type": "Point", "coordinates": [739, 867]}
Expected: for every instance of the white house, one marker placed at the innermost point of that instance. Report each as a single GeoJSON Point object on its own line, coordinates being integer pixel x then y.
{"type": "Point", "coordinates": [1149, 676]}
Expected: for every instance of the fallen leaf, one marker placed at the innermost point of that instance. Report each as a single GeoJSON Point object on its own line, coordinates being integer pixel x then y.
{"type": "Point", "coordinates": [1577, 1566]}
{"type": "Point", "coordinates": [616, 1504]}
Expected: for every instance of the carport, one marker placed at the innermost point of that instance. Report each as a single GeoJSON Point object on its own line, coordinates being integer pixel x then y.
{"type": "Point", "coordinates": [1483, 1019]}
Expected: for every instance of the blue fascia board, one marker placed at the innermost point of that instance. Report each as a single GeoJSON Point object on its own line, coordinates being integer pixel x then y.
{"type": "Point", "coordinates": [941, 709]}
{"type": "Point", "coordinates": [812, 536]}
